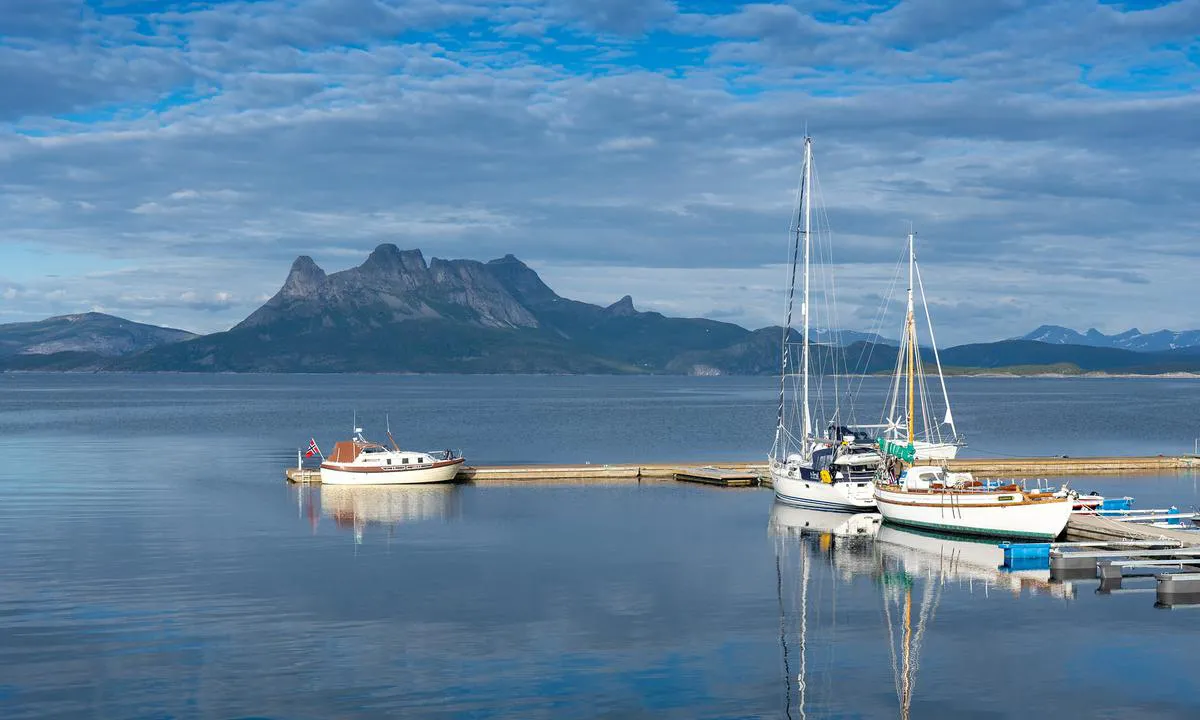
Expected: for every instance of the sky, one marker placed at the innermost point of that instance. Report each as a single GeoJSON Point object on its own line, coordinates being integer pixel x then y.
{"type": "Point", "coordinates": [167, 160]}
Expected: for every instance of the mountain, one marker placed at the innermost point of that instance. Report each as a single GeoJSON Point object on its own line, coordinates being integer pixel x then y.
{"type": "Point", "coordinates": [1132, 339]}
{"type": "Point", "coordinates": [79, 340]}
{"type": "Point", "coordinates": [397, 313]}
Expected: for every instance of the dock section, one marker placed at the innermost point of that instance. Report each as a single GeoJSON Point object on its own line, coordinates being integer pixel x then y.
{"type": "Point", "coordinates": [983, 467]}
{"type": "Point", "coordinates": [1041, 466]}
{"type": "Point", "coordinates": [723, 477]}
{"type": "Point", "coordinates": [1082, 526]}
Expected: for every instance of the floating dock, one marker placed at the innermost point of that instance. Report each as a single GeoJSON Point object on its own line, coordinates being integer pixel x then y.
{"type": "Point", "coordinates": [732, 474]}
{"type": "Point", "coordinates": [1082, 526]}
{"type": "Point", "coordinates": [1063, 465]}
{"type": "Point", "coordinates": [718, 476]}
{"type": "Point", "coordinates": [993, 467]}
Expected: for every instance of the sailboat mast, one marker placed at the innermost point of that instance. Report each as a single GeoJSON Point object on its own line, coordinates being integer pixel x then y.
{"type": "Point", "coordinates": [910, 329]}
{"type": "Point", "coordinates": [906, 671]}
{"type": "Point", "coordinates": [807, 197]}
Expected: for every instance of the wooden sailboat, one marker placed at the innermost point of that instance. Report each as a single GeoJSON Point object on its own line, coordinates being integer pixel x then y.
{"type": "Point", "coordinates": [834, 472]}
{"type": "Point", "coordinates": [917, 493]}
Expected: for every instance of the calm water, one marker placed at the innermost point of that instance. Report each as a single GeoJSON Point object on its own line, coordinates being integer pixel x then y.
{"type": "Point", "coordinates": [154, 564]}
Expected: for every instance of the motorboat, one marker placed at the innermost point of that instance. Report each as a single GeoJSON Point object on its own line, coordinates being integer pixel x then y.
{"type": "Point", "coordinates": [359, 461]}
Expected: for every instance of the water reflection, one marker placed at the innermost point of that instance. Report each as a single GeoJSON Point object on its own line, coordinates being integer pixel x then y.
{"type": "Point", "coordinates": [909, 572]}
{"type": "Point", "coordinates": [356, 508]}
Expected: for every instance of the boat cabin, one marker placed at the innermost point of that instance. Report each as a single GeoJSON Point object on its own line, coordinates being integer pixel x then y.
{"type": "Point", "coordinates": [922, 477]}
{"type": "Point", "coordinates": [357, 452]}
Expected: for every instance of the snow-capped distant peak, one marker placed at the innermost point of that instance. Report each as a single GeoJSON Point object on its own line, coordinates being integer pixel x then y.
{"type": "Point", "coordinates": [1131, 339]}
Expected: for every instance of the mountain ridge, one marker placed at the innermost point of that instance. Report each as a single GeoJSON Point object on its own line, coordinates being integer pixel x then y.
{"type": "Point", "coordinates": [91, 333]}
{"type": "Point", "coordinates": [397, 312]}
{"type": "Point", "coordinates": [1131, 339]}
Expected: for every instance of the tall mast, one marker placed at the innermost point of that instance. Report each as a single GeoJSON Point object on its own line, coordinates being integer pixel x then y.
{"type": "Point", "coordinates": [807, 197]}
{"type": "Point", "coordinates": [911, 330]}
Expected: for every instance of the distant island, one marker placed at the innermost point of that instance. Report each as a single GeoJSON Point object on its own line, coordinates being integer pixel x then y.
{"type": "Point", "coordinates": [397, 313]}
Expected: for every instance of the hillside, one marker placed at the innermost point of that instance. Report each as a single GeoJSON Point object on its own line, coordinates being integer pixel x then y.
{"type": "Point", "coordinates": [93, 334]}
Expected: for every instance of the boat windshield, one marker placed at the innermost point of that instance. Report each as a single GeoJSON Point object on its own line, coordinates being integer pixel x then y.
{"type": "Point", "coordinates": [856, 435]}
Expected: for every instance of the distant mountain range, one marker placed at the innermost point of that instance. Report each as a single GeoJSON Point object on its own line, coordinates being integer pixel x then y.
{"type": "Point", "coordinates": [86, 338]}
{"type": "Point", "coordinates": [1132, 339]}
{"type": "Point", "coordinates": [398, 313]}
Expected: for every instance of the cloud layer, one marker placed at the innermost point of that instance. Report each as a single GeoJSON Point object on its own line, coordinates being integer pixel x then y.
{"type": "Point", "coordinates": [167, 161]}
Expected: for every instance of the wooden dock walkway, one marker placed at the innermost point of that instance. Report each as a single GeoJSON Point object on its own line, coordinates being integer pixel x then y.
{"type": "Point", "coordinates": [984, 467]}
{"type": "Point", "coordinates": [1095, 527]}
{"type": "Point", "coordinates": [718, 476]}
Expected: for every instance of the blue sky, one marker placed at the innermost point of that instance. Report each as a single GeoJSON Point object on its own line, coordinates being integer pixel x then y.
{"type": "Point", "coordinates": [166, 161]}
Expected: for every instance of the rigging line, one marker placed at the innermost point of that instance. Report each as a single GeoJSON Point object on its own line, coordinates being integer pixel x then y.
{"type": "Point", "coordinates": [865, 357]}
{"type": "Point", "coordinates": [791, 293]}
{"type": "Point", "coordinates": [829, 290]}
{"type": "Point", "coordinates": [937, 359]}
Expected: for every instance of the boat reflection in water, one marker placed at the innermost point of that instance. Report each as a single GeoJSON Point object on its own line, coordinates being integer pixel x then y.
{"type": "Point", "coordinates": [909, 569]}
{"type": "Point", "coordinates": [355, 507]}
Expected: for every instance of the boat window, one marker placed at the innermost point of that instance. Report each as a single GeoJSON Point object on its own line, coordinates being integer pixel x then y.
{"type": "Point", "coordinates": [405, 461]}
{"type": "Point", "coordinates": [930, 477]}
{"type": "Point", "coordinates": [421, 459]}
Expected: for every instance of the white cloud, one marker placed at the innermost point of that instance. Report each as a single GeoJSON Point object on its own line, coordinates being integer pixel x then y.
{"type": "Point", "coordinates": [230, 138]}
{"type": "Point", "coordinates": [628, 143]}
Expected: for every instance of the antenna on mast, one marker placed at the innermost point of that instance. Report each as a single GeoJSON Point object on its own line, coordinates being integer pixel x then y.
{"type": "Point", "coordinates": [387, 420]}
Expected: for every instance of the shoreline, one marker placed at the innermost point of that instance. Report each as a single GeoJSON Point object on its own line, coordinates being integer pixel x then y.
{"type": "Point", "coordinates": [981, 373]}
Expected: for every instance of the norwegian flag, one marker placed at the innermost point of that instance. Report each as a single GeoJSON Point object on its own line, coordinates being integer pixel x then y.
{"type": "Point", "coordinates": [313, 449]}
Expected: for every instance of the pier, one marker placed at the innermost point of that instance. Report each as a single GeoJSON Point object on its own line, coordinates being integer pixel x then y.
{"type": "Point", "coordinates": [755, 473]}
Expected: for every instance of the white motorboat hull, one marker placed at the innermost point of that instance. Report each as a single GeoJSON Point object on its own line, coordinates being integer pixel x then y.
{"type": "Point", "coordinates": [935, 451]}
{"type": "Point", "coordinates": [843, 496]}
{"type": "Point", "coordinates": [1005, 514]}
{"type": "Point", "coordinates": [439, 472]}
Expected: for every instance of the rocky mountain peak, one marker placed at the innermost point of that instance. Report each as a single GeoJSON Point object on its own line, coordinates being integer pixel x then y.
{"type": "Point", "coordinates": [304, 280]}
{"type": "Point", "coordinates": [391, 260]}
{"type": "Point", "coordinates": [622, 308]}
{"type": "Point", "coordinates": [521, 281]}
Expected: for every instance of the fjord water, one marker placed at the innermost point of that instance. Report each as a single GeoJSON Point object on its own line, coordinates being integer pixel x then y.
{"type": "Point", "coordinates": [154, 563]}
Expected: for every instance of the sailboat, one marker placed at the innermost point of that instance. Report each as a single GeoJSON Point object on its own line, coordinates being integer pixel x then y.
{"type": "Point", "coordinates": [834, 472]}
{"type": "Point", "coordinates": [926, 495]}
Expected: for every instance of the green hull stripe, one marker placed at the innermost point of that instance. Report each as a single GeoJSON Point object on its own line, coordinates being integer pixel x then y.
{"type": "Point", "coordinates": [970, 531]}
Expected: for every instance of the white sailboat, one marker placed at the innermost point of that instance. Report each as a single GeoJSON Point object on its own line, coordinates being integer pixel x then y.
{"type": "Point", "coordinates": [926, 495]}
{"type": "Point", "coordinates": [833, 473]}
